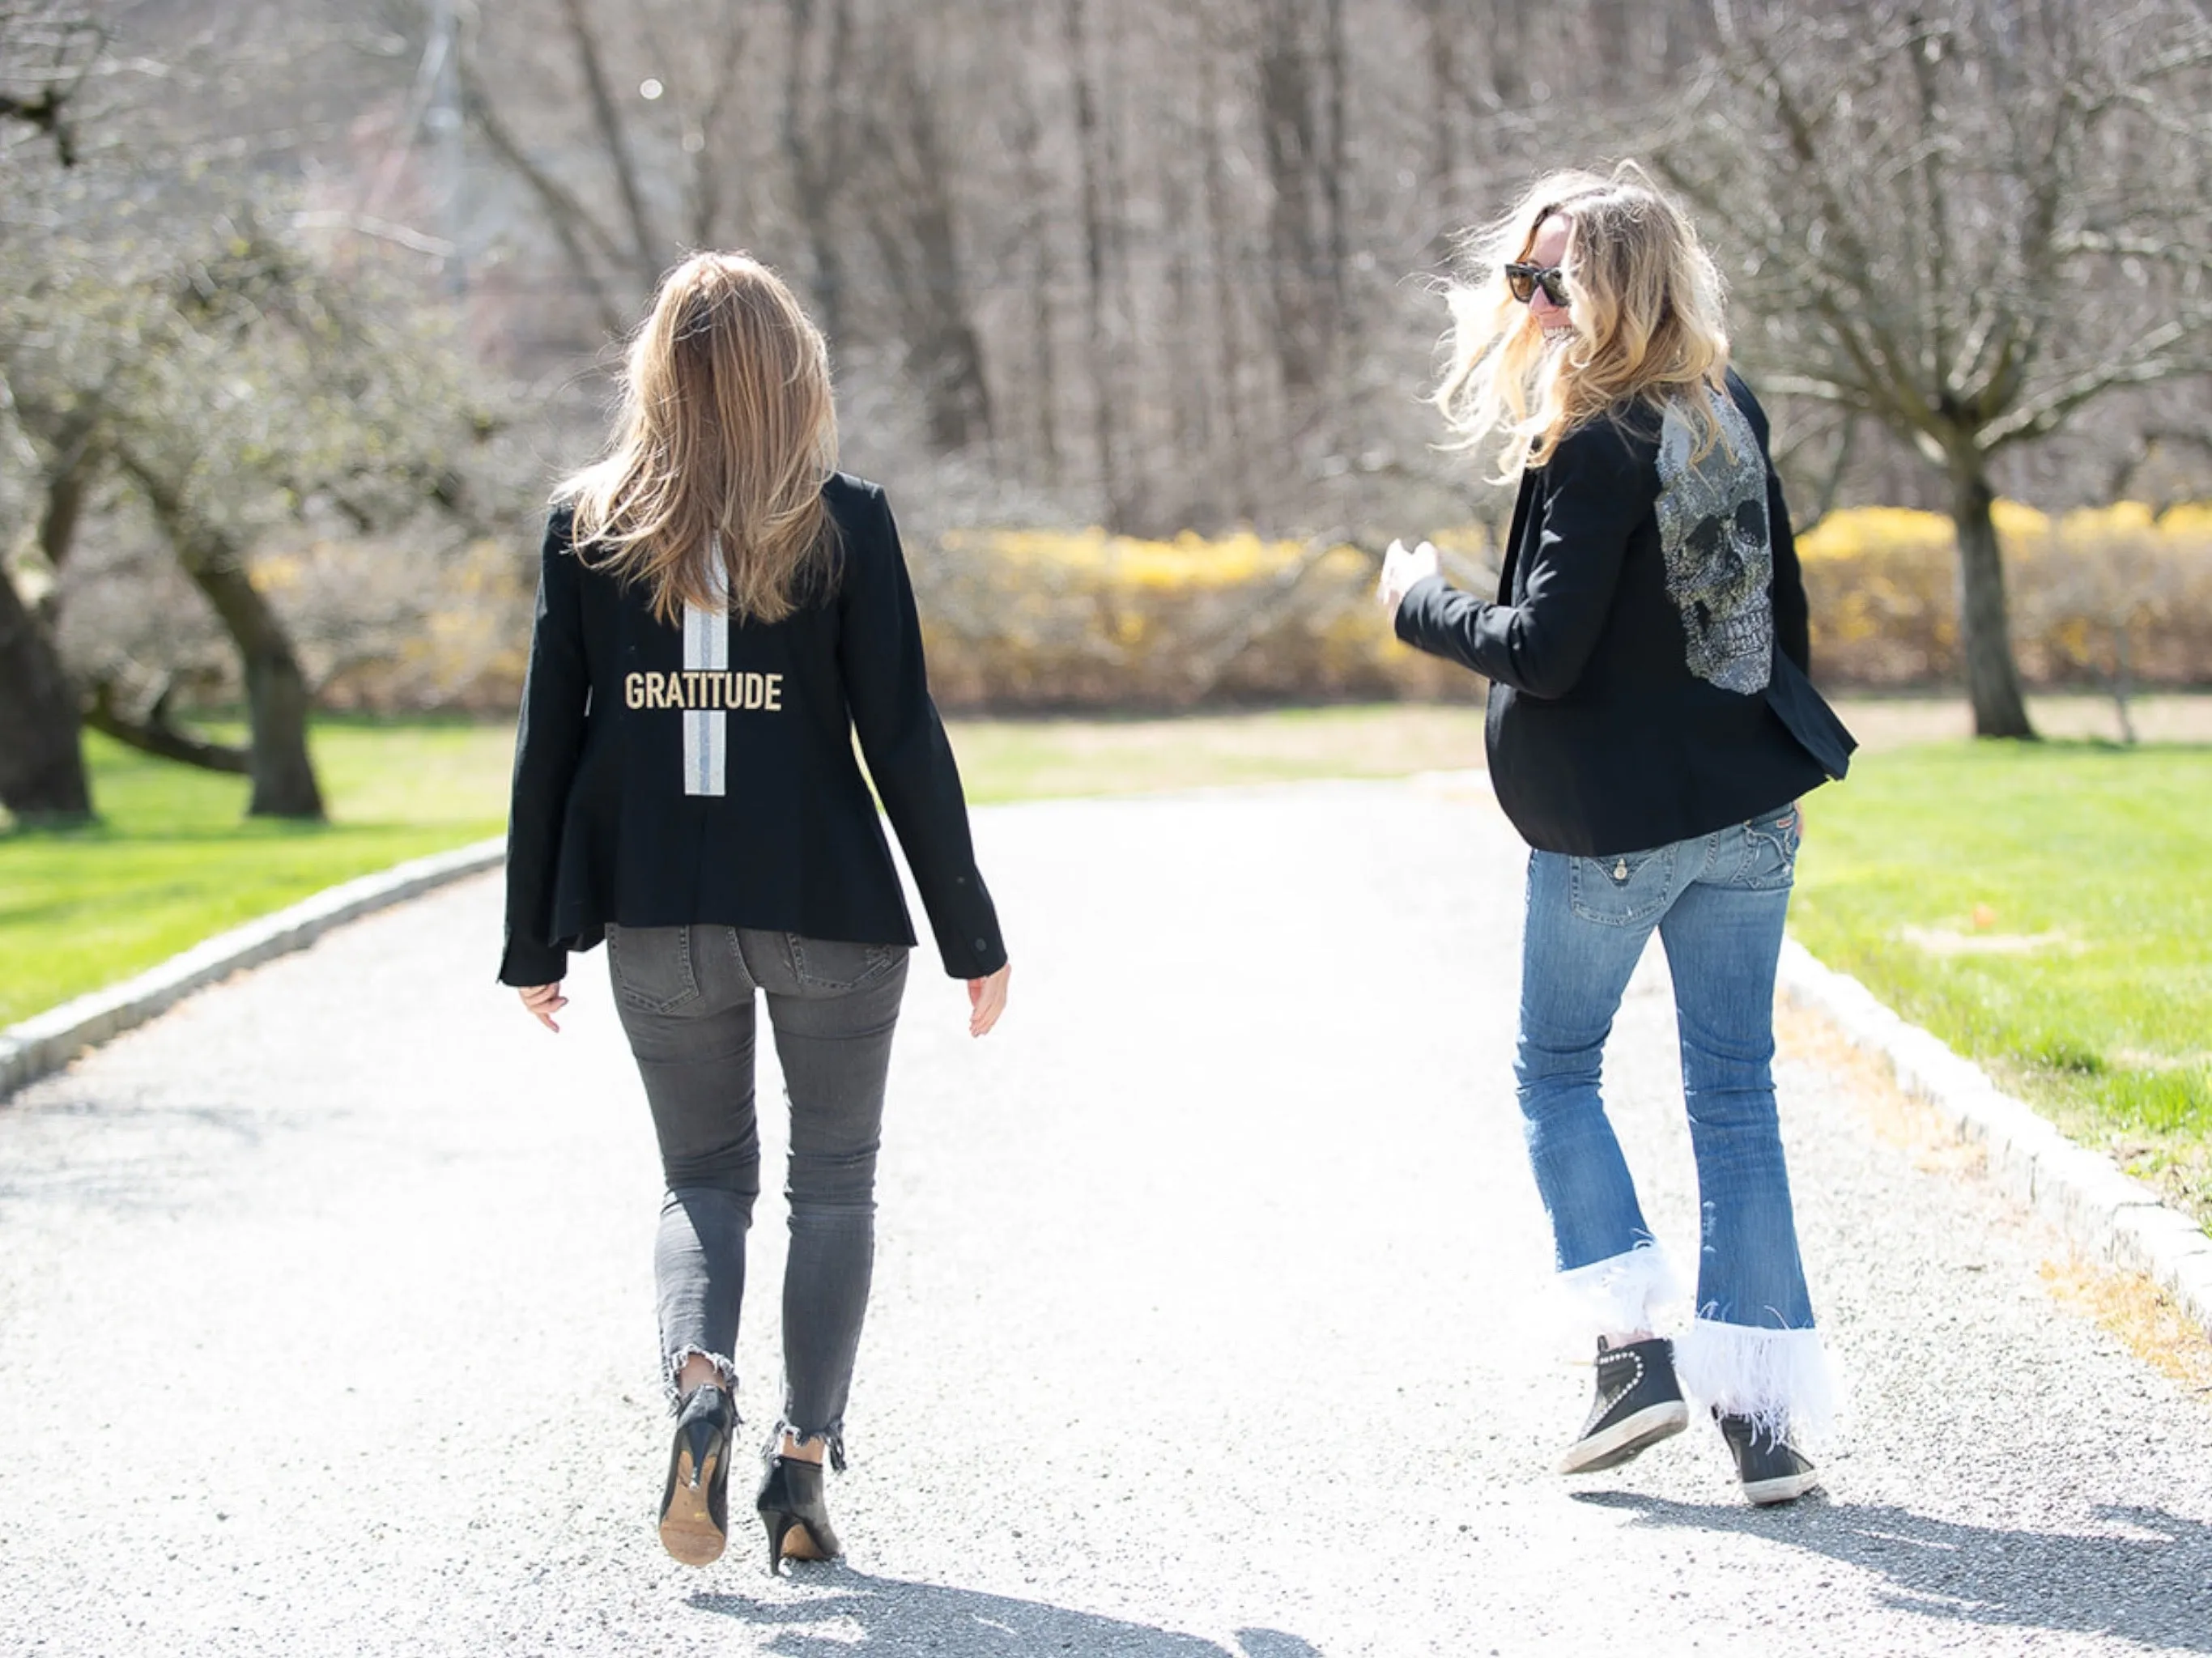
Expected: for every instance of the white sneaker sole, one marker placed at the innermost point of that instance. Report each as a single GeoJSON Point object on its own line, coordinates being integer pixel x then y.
{"type": "Point", "coordinates": [1611, 1447]}
{"type": "Point", "coordinates": [1788, 1488]}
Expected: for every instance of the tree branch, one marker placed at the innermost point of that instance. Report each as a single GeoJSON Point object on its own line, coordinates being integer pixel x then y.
{"type": "Point", "coordinates": [2151, 362]}
{"type": "Point", "coordinates": [565, 215]}
{"type": "Point", "coordinates": [707, 164]}
{"type": "Point", "coordinates": [157, 736]}
{"type": "Point", "coordinates": [1831, 483]}
{"type": "Point", "coordinates": [645, 240]}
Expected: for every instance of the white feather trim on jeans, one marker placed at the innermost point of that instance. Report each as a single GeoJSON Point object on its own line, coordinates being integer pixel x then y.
{"type": "Point", "coordinates": [1622, 1293]}
{"type": "Point", "coordinates": [1786, 1381]}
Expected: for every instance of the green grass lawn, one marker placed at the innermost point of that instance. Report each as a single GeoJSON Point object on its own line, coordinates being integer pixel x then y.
{"type": "Point", "coordinates": [2046, 909]}
{"type": "Point", "coordinates": [174, 859]}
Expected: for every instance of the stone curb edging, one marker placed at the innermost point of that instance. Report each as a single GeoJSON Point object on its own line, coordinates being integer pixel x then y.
{"type": "Point", "coordinates": [2110, 1217]}
{"type": "Point", "coordinates": [50, 1040]}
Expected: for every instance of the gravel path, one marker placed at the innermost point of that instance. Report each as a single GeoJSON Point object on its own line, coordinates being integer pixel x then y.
{"type": "Point", "coordinates": [1209, 1318]}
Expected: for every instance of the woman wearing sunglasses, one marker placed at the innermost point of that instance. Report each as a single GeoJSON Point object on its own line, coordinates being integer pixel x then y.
{"type": "Point", "coordinates": [1650, 730]}
{"type": "Point", "coordinates": [721, 613]}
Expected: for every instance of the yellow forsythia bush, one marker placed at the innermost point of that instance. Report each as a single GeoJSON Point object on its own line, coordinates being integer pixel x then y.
{"type": "Point", "coordinates": [1044, 619]}
{"type": "Point", "coordinates": [1076, 618]}
{"type": "Point", "coordinates": [1063, 619]}
{"type": "Point", "coordinates": [2092, 592]}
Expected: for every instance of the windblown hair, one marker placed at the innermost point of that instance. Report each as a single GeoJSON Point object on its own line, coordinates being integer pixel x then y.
{"type": "Point", "coordinates": [725, 434]}
{"type": "Point", "coordinates": [1645, 302]}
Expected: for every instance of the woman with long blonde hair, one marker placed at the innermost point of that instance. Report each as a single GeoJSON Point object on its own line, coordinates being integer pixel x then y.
{"type": "Point", "coordinates": [1650, 730]}
{"type": "Point", "coordinates": [721, 612]}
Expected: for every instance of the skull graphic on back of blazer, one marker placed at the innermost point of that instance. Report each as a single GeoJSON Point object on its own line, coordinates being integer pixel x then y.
{"type": "Point", "coordinates": [1714, 534]}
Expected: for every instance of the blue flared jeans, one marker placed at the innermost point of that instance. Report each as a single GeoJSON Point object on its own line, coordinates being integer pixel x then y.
{"type": "Point", "coordinates": [1717, 903]}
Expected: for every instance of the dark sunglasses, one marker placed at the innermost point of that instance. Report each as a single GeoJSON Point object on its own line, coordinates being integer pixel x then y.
{"type": "Point", "coordinates": [1522, 281]}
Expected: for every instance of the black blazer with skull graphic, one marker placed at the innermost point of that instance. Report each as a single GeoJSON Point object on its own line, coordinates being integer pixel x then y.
{"type": "Point", "coordinates": [1648, 650]}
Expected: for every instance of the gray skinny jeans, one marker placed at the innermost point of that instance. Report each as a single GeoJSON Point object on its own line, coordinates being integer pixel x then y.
{"type": "Point", "coordinates": [685, 994]}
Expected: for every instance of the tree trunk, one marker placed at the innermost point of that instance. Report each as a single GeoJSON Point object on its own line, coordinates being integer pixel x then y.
{"type": "Point", "coordinates": [42, 777]}
{"type": "Point", "coordinates": [1043, 429]}
{"type": "Point", "coordinates": [1612, 27]}
{"type": "Point", "coordinates": [1334, 161]}
{"type": "Point", "coordinates": [813, 130]}
{"type": "Point", "coordinates": [647, 251]}
{"type": "Point", "coordinates": [1441, 41]}
{"type": "Point", "coordinates": [276, 698]}
{"type": "Point", "coordinates": [1984, 637]}
{"type": "Point", "coordinates": [1507, 38]}
{"type": "Point", "coordinates": [1235, 464]}
{"type": "Point", "coordinates": [1104, 385]}
{"type": "Point", "coordinates": [1292, 146]}
{"type": "Point", "coordinates": [914, 236]}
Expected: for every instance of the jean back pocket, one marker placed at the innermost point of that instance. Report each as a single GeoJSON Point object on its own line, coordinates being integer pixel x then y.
{"type": "Point", "coordinates": [839, 964]}
{"type": "Point", "coordinates": [1769, 851]}
{"type": "Point", "coordinates": [651, 967]}
{"type": "Point", "coordinates": [1623, 888]}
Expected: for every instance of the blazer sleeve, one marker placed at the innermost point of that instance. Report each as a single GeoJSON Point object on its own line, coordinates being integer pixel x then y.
{"type": "Point", "coordinates": [904, 741]}
{"type": "Point", "coordinates": [548, 743]}
{"type": "Point", "coordinates": [1793, 625]}
{"type": "Point", "coordinates": [1594, 494]}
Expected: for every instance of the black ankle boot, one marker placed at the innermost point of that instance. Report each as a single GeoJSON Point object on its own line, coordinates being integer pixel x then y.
{"type": "Point", "coordinates": [791, 1499]}
{"type": "Point", "coordinates": [695, 1509]}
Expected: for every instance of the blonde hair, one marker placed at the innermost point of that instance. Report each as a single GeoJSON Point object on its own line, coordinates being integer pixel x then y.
{"type": "Point", "coordinates": [1644, 300]}
{"type": "Point", "coordinates": [725, 434]}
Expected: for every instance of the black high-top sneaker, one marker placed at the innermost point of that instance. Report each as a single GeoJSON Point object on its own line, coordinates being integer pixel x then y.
{"type": "Point", "coordinates": [1772, 1469]}
{"type": "Point", "coordinates": [1638, 1404]}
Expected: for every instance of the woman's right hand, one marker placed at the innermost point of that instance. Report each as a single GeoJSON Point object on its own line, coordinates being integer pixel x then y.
{"type": "Point", "coordinates": [1403, 566]}
{"type": "Point", "coordinates": [986, 999]}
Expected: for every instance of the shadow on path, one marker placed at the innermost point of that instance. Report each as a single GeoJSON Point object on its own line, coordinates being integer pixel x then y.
{"type": "Point", "coordinates": [2154, 1587]}
{"type": "Point", "coordinates": [126, 1154]}
{"type": "Point", "coordinates": [893, 1615]}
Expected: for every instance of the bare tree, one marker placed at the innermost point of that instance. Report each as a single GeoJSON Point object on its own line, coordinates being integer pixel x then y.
{"type": "Point", "coordinates": [912, 221]}
{"type": "Point", "coordinates": [1968, 220]}
{"type": "Point", "coordinates": [1303, 276]}
{"type": "Point", "coordinates": [818, 146]}
{"type": "Point", "coordinates": [1105, 393]}
{"type": "Point", "coordinates": [232, 387]}
{"type": "Point", "coordinates": [45, 53]}
{"type": "Point", "coordinates": [42, 776]}
{"type": "Point", "coordinates": [659, 91]}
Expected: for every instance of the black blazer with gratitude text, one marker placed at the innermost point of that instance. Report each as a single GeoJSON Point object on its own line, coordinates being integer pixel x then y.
{"type": "Point", "coordinates": [1648, 649]}
{"type": "Point", "coordinates": [703, 771]}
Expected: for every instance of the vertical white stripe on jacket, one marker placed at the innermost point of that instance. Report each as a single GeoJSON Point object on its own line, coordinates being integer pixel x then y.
{"type": "Point", "coordinates": [706, 731]}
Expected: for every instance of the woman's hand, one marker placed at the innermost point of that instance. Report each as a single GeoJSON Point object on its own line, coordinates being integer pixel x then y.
{"type": "Point", "coordinates": [1402, 567]}
{"type": "Point", "coordinates": [986, 999]}
{"type": "Point", "coordinates": [542, 1002]}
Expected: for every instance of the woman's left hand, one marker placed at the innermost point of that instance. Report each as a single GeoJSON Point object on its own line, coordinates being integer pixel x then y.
{"type": "Point", "coordinates": [1402, 568]}
{"type": "Point", "coordinates": [986, 999]}
{"type": "Point", "coordinates": [542, 1002]}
